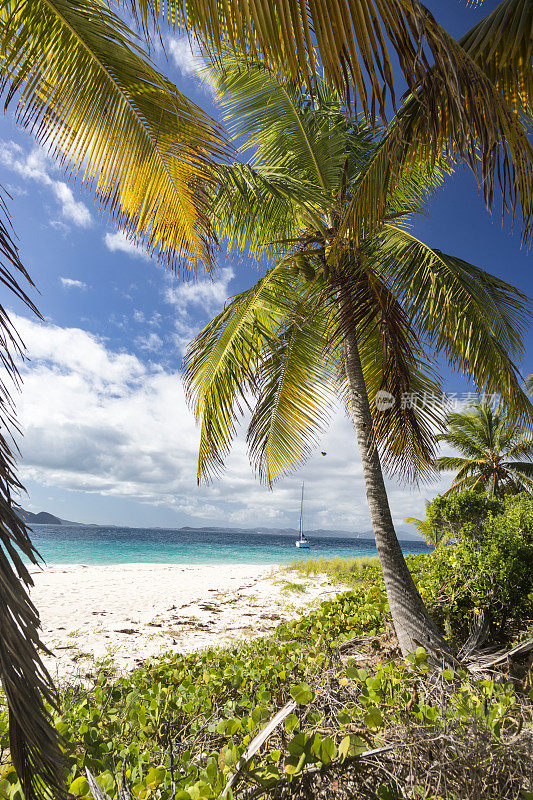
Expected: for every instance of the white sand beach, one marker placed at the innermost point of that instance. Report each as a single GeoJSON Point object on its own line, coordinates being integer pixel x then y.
{"type": "Point", "coordinates": [132, 612]}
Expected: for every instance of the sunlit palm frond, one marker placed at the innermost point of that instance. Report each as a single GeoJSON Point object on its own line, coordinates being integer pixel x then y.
{"type": "Point", "coordinates": [474, 318]}
{"type": "Point", "coordinates": [272, 115]}
{"type": "Point", "coordinates": [33, 740]}
{"type": "Point", "coordinates": [353, 41]}
{"type": "Point", "coordinates": [502, 42]}
{"type": "Point", "coordinates": [480, 113]}
{"type": "Point", "coordinates": [389, 183]}
{"type": "Point", "coordinates": [89, 93]}
{"type": "Point", "coordinates": [295, 396]}
{"type": "Point", "coordinates": [261, 211]}
{"type": "Point", "coordinates": [221, 363]}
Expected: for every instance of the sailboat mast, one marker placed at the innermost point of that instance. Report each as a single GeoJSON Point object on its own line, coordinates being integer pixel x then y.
{"type": "Point", "coordinates": [302, 513]}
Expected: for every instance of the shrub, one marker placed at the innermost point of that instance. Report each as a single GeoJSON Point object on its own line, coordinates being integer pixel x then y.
{"type": "Point", "coordinates": [447, 515]}
{"type": "Point", "coordinates": [488, 573]}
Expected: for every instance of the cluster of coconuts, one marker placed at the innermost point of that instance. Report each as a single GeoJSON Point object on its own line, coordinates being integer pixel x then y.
{"type": "Point", "coordinates": [311, 267]}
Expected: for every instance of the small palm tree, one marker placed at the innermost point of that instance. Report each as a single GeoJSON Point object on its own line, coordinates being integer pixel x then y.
{"type": "Point", "coordinates": [493, 447]}
{"type": "Point", "coordinates": [346, 311]}
{"type": "Point", "coordinates": [424, 526]}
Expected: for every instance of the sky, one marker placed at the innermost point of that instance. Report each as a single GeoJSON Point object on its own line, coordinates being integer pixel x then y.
{"type": "Point", "coordinates": [107, 435]}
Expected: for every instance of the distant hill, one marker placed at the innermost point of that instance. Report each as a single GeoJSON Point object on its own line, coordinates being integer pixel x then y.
{"type": "Point", "coordinates": [319, 533]}
{"type": "Point", "coordinates": [44, 518]}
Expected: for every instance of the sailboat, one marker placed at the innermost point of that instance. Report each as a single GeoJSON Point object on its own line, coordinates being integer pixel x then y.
{"type": "Point", "coordinates": [302, 541]}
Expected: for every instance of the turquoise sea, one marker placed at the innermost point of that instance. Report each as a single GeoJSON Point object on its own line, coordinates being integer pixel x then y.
{"type": "Point", "coordinates": [109, 545]}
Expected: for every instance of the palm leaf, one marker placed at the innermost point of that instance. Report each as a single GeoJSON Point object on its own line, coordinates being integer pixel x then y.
{"type": "Point", "coordinates": [89, 93]}
{"type": "Point", "coordinates": [467, 104]}
{"type": "Point", "coordinates": [259, 211]}
{"type": "Point", "coordinates": [395, 363]}
{"type": "Point", "coordinates": [33, 740]}
{"type": "Point", "coordinates": [474, 318]}
{"type": "Point", "coordinates": [296, 390]}
{"type": "Point", "coordinates": [221, 363]}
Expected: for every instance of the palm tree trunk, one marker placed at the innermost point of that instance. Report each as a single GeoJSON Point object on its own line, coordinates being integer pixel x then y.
{"type": "Point", "coordinates": [412, 623]}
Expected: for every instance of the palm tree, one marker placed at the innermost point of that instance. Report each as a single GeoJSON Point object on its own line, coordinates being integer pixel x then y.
{"type": "Point", "coordinates": [84, 86]}
{"type": "Point", "coordinates": [348, 315]}
{"type": "Point", "coordinates": [433, 536]}
{"type": "Point", "coordinates": [493, 447]}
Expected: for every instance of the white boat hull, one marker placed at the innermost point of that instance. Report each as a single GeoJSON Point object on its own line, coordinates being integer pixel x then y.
{"type": "Point", "coordinates": [302, 544]}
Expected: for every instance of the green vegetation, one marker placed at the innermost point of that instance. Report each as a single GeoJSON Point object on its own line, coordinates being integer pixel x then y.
{"type": "Point", "coordinates": [487, 576]}
{"type": "Point", "coordinates": [178, 726]}
{"type": "Point", "coordinates": [493, 448]}
{"type": "Point", "coordinates": [446, 514]}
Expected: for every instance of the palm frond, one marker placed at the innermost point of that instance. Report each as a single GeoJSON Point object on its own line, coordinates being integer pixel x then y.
{"type": "Point", "coordinates": [295, 397]}
{"type": "Point", "coordinates": [480, 111]}
{"type": "Point", "coordinates": [259, 211]}
{"type": "Point", "coordinates": [502, 42]}
{"type": "Point", "coordinates": [222, 361]}
{"type": "Point", "coordinates": [85, 88]}
{"type": "Point", "coordinates": [474, 318]}
{"type": "Point", "coordinates": [29, 690]}
{"type": "Point", "coordinates": [524, 447]}
{"type": "Point", "coordinates": [522, 467]}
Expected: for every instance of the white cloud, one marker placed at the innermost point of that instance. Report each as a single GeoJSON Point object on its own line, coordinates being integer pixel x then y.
{"type": "Point", "coordinates": [73, 210]}
{"type": "Point", "coordinates": [195, 302]}
{"type": "Point", "coordinates": [151, 343]}
{"type": "Point", "coordinates": [189, 61]}
{"type": "Point", "coordinates": [209, 294]}
{"type": "Point", "coordinates": [105, 422]}
{"type": "Point", "coordinates": [70, 283]}
{"type": "Point", "coordinates": [36, 166]}
{"type": "Point", "coordinates": [119, 242]}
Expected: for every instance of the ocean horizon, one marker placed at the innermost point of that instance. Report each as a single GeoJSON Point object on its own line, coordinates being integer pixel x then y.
{"type": "Point", "coordinates": [107, 545]}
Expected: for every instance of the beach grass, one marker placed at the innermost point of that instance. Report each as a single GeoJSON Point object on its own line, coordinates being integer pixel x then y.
{"type": "Point", "coordinates": [335, 568]}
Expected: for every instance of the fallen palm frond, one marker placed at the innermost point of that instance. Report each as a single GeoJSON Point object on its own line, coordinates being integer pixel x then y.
{"type": "Point", "coordinates": [259, 740]}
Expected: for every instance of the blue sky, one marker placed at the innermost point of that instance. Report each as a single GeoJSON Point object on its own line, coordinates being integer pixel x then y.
{"type": "Point", "coordinates": [107, 435]}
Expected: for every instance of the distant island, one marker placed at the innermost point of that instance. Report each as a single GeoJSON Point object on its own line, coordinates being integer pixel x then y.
{"type": "Point", "coordinates": [45, 518]}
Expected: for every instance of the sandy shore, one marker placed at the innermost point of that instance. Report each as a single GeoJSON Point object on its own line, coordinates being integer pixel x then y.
{"type": "Point", "coordinates": [132, 612]}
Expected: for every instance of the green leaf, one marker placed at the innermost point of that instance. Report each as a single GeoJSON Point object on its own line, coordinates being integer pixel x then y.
{"type": "Point", "coordinates": [374, 718]}
{"type": "Point", "coordinates": [80, 786]}
{"type": "Point", "coordinates": [291, 722]}
{"type": "Point", "coordinates": [302, 693]}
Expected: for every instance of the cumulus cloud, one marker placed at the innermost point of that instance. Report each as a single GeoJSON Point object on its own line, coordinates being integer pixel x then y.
{"type": "Point", "coordinates": [70, 283]}
{"type": "Point", "coordinates": [106, 422]}
{"type": "Point", "coordinates": [119, 242]}
{"type": "Point", "coordinates": [36, 166]}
